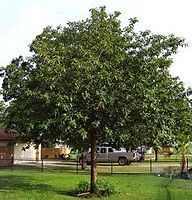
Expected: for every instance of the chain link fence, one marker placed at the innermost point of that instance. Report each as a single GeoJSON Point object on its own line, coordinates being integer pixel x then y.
{"type": "Point", "coordinates": [145, 167]}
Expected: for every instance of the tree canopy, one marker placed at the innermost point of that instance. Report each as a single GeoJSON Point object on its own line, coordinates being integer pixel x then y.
{"type": "Point", "coordinates": [94, 81]}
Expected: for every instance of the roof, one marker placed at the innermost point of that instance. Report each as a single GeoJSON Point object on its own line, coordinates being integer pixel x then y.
{"type": "Point", "coordinates": [6, 136]}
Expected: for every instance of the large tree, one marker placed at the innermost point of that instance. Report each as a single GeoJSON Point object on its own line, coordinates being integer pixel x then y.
{"type": "Point", "coordinates": [94, 81]}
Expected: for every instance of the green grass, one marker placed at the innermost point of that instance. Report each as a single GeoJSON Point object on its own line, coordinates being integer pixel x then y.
{"type": "Point", "coordinates": [164, 157]}
{"type": "Point", "coordinates": [36, 185]}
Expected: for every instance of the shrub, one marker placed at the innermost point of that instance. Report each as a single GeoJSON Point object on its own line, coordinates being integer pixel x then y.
{"type": "Point", "coordinates": [186, 175]}
{"type": "Point", "coordinates": [105, 188]}
{"type": "Point", "coordinates": [83, 186]}
{"type": "Point", "coordinates": [169, 169]}
{"type": "Point", "coordinates": [172, 172]}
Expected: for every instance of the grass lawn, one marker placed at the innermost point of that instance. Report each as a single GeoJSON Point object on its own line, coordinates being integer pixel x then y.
{"type": "Point", "coordinates": [29, 185]}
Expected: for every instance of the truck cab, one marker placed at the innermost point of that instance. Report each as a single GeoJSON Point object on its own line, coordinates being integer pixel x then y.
{"type": "Point", "coordinates": [109, 154]}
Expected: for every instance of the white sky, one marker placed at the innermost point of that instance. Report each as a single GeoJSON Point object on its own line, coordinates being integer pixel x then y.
{"type": "Point", "coordinates": [22, 20]}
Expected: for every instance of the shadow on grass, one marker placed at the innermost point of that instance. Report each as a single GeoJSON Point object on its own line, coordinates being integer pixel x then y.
{"type": "Point", "coordinates": [26, 183]}
{"type": "Point", "coordinates": [47, 168]}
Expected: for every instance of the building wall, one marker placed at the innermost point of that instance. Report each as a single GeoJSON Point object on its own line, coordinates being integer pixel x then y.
{"type": "Point", "coordinates": [50, 153]}
{"type": "Point", "coordinates": [6, 154]}
{"type": "Point", "coordinates": [31, 153]}
{"type": "Point", "coordinates": [3, 143]}
{"type": "Point", "coordinates": [64, 148]}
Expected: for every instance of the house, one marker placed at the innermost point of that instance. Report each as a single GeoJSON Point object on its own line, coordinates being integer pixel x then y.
{"type": "Point", "coordinates": [60, 150]}
{"type": "Point", "coordinates": [6, 149]}
{"type": "Point", "coordinates": [31, 153]}
{"type": "Point", "coordinates": [9, 149]}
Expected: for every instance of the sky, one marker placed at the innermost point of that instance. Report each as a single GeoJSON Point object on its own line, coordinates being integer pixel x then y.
{"type": "Point", "coordinates": [22, 20]}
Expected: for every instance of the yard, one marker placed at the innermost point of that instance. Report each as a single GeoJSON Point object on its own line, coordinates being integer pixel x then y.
{"type": "Point", "coordinates": [31, 184]}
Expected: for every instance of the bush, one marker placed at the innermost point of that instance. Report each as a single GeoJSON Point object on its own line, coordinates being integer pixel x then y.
{"type": "Point", "coordinates": [172, 172]}
{"type": "Point", "coordinates": [105, 188]}
{"type": "Point", "coordinates": [83, 186]}
{"type": "Point", "coordinates": [186, 175]}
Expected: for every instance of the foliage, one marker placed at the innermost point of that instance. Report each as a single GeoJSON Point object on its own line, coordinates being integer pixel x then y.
{"type": "Point", "coordinates": [83, 186]}
{"type": "Point", "coordinates": [94, 76]}
{"type": "Point", "coordinates": [104, 187]}
{"type": "Point", "coordinates": [2, 113]}
{"type": "Point", "coordinates": [183, 139]}
{"type": "Point", "coordinates": [95, 81]}
{"type": "Point", "coordinates": [189, 95]}
{"type": "Point", "coordinates": [172, 172]}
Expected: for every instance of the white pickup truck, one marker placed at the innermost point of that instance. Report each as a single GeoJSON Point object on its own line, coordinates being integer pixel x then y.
{"type": "Point", "coordinates": [109, 154]}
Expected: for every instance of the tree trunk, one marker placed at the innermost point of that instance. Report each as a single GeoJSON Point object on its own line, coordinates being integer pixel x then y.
{"type": "Point", "coordinates": [156, 153]}
{"type": "Point", "coordinates": [93, 187]}
{"type": "Point", "coordinates": [83, 160]}
{"type": "Point", "coordinates": [183, 162]}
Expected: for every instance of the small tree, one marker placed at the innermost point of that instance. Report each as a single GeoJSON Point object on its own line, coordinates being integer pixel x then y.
{"type": "Point", "coordinates": [183, 149]}
{"type": "Point", "coordinates": [182, 134]}
{"type": "Point", "coordinates": [94, 81]}
{"type": "Point", "coordinates": [185, 128]}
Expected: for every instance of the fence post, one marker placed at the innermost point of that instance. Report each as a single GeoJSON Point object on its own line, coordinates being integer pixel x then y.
{"type": "Point", "coordinates": [42, 164]}
{"type": "Point", "coordinates": [77, 167]}
{"type": "Point", "coordinates": [150, 165]}
{"type": "Point", "coordinates": [111, 167]}
{"type": "Point", "coordinates": [41, 158]}
{"type": "Point", "coordinates": [187, 163]}
{"type": "Point", "coordinates": [12, 162]}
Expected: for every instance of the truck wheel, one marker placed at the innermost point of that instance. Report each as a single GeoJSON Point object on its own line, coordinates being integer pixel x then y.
{"type": "Point", "coordinates": [122, 161]}
{"type": "Point", "coordinates": [128, 162]}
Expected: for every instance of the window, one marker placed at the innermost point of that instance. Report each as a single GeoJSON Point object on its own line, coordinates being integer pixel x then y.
{"type": "Point", "coordinates": [103, 150]}
{"type": "Point", "coordinates": [110, 150]}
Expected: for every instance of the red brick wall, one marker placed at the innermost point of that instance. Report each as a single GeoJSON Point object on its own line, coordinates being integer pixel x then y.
{"type": "Point", "coordinates": [5, 155]}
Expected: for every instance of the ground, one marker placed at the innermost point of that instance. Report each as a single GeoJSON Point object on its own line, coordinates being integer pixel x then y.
{"type": "Point", "coordinates": [54, 185]}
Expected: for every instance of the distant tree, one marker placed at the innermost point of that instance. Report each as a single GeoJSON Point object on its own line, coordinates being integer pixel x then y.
{"type": "Point", "coordinates": [182, 133]}
{"type": "Point", "coordinates": [94, 81]}
{"type": "Point", "coordinates": [184, 128]}
{"type": "Point", "coordinates": [2, 113]}
{"type": "Point", "coordinates": [183, 149]}
{"type": "Point", "coordinates": [189, 95]}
